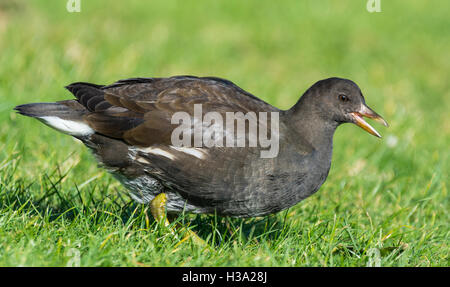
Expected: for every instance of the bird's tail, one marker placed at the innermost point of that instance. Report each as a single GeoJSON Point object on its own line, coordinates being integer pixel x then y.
{"type": "Point", "coordinates": [64, 116]}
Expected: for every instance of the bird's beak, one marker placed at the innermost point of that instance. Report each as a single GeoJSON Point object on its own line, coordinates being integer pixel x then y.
{"type": "Point", "coordinates": [365, 111]}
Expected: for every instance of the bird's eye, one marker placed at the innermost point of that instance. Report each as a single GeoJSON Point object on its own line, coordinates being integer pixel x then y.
{"type": "Point", "coordinates": [343, 98]}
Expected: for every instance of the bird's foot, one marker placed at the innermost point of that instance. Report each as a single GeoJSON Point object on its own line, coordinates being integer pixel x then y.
{"type": "Point", "coordinates": [191, 235]}
{"type": "Point", "coordinates": [158, 210]}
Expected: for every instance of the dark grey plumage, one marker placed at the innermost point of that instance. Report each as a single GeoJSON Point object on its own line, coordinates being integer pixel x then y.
{"type": "Point", "coordinates": [119, 121]}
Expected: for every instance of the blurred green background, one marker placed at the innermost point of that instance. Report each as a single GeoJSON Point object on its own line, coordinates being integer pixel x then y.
{"type": "Point", "coordinates": [385, 201]}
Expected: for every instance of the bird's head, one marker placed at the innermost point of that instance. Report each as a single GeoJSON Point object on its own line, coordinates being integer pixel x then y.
{"type": "Point", "coordinates": [340, 101]}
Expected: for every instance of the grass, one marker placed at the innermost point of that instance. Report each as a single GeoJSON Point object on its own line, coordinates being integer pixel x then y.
{"type": "Point", "coordinates": [385, 202]}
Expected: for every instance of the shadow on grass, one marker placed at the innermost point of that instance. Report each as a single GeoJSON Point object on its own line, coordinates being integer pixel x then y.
{"type": "Point", "coordinates": [219, 231]}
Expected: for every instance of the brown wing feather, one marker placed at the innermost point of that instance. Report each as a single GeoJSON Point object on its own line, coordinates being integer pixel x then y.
{"type": "Point", "coordinates": [139, 110]}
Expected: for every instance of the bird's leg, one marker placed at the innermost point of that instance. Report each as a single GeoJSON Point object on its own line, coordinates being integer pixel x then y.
{"type": "Point", "coordinates": [158, 210]}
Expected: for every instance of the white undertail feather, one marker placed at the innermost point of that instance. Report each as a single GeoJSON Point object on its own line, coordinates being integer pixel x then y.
{"type": "Point", "coordinates": [73, 128]}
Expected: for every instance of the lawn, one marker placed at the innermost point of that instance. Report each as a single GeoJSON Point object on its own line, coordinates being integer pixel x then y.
{"type": "Point", "coordinates": [385, 202]}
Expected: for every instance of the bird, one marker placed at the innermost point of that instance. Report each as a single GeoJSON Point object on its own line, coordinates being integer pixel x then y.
{"type": "Point", "coordinates": [129, 127]}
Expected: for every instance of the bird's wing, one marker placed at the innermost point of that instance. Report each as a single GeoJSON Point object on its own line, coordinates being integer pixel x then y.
{"type": "Point", "coordinates": [139, 110]}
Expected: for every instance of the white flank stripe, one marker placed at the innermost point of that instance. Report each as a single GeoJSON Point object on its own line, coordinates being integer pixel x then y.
{"type": "Point", "coordinates": [142, 160]}
{"type": "Point", "coordinates": [197, 152]}
{"type": "Point", "coordinates": [157, 151]}
{"type": "Point", "coordinates": [68, 127]}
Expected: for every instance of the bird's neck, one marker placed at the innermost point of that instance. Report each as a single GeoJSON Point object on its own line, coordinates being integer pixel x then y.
{"type": "Point", "coordinates": [311, 127]}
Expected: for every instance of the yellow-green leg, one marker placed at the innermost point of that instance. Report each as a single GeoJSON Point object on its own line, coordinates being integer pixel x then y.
{"type": "Point", "coordinates": [158, 210]}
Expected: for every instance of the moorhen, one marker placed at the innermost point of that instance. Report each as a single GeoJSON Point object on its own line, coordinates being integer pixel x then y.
{"type": "Point", "coordinates": [129, 126]}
